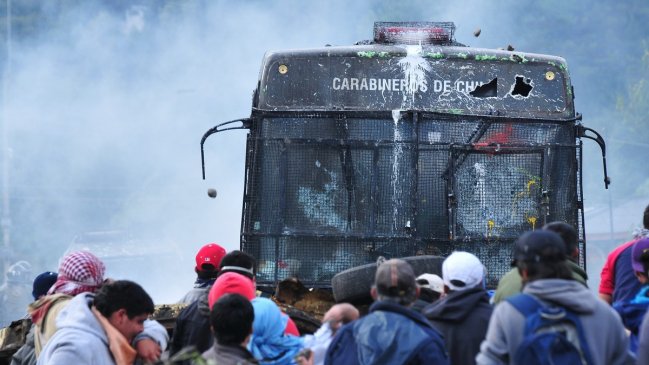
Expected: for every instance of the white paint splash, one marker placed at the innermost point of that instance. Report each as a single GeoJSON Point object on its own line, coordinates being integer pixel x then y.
{"type": "Point", "coordinates": [397, 155]}
{"type": "Point", "coordinates": [480, 190]}
{"type": "Point", "coordinates": [414, 68]}
{"type": "Point", "coordinates": [396, 115]}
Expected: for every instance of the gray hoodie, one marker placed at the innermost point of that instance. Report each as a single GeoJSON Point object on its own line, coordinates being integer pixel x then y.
{"type": "Point", "coordinates": [80, 338]}
{"type": "Point", "coordinates": [607, 340]}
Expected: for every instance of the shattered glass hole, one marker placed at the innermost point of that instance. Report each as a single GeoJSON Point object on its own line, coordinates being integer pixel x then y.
{"type": "Point", "coordinates": [522, 87]}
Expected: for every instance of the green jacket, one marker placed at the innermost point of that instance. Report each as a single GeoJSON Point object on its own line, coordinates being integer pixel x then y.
{"type": "Point", "coordinates": [511, 284]}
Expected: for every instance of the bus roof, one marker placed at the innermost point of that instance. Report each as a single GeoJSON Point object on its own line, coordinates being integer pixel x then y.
{"type": "Point", "coordinates": [429, 78]}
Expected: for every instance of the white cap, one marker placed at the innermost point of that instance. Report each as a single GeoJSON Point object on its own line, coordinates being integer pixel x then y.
{"type": "Point", "coordinates": [462, 268]}
{"type": "Point", "coordinates": [431, 281]}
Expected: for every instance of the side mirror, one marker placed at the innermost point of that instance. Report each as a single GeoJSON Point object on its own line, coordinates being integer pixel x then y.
{"type": "Point", "coordinates": [245, 124]}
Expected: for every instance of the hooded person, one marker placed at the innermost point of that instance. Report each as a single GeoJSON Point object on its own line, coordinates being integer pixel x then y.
{"type": "Point", "coordinates": [231, 283]}
{"type": "Point", "coordinates": [98, 329]}
{"type": "Point", "coordinates": [269, 343]}
{"type": "Point", "coordinates": [511, 283]}
{"type": "Point", "coordinates": [462, 316]}
{"type": "Point", "coordinates": [208, 263]}
{"type": "Point", "coordinates": [632, 311]}
{"type": "Point", "coordinates": [79, 272]}
{"type": "Point", "coordinates": [540, 257]}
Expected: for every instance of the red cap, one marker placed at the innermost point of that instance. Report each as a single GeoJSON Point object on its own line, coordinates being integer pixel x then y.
{"type": "Point", "coordinates": [209, 254]}
{"type": "Point", "coordinates": [231, 283]}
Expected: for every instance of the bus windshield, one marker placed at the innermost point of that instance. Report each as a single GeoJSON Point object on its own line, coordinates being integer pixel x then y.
{"type": "Point", "coordinates": [401, 185]}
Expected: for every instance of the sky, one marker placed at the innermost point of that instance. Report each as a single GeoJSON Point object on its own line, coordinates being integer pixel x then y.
{"type": "Point", "coordinates": [104, 113]}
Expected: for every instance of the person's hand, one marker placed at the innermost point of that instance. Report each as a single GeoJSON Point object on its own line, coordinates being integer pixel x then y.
{"type": "Point", "coordinates": [340, 314]}
{"type": "Point", "coordinates": [148, 350]}
{"type": "Point", "coordinates": [304, 357]}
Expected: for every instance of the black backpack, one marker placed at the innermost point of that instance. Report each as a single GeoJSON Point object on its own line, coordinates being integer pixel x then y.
{"type": "Point", "coordinates": [553, 335]}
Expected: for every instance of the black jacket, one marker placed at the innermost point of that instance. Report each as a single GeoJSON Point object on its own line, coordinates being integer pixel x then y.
{"type": "Point", "coordinates": [462, 317]}
{"type": "Point", "coordinates": [193, 327]}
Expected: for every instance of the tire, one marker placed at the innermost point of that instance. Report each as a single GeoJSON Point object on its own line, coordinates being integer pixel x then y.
{"type": "Point", "coordinates": [354, 285]}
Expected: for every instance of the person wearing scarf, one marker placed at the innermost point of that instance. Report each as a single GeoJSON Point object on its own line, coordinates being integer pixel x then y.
{"type": "Point", "coordinates": [269, 344]}
{"type": "Point", "coordinates": [79, 272]}
{"type": "Point", "coordinates": [98, 329]}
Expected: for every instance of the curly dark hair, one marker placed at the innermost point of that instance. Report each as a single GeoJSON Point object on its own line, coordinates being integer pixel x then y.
{"type": "Point", "coordinates": [123, 294]}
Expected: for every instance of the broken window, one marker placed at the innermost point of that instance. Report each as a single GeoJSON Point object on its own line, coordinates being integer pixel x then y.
{"type": "Point", "coordinates": [487, 90]}
{"type": "Point", "coordinates": [522, 87]}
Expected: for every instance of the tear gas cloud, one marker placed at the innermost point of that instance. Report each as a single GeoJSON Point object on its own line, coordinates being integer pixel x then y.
{"type": "Point", "coordinates": [106, 104]}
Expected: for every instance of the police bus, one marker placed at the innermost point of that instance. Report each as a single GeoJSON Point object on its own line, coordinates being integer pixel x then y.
{"type": "Point", "coordinates": [407, 145]}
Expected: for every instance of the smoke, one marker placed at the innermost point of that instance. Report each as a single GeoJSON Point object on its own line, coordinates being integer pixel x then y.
{"type": "Point", "coordinates": [107, 102]}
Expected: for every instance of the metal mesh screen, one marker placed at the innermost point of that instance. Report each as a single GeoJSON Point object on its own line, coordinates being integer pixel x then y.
{"type": "Point", "coordinates": [326, 194]}
{"type": "Point", "coordinates": [498, 195]}
{"type": "Point", "coordinates": [581, 229]}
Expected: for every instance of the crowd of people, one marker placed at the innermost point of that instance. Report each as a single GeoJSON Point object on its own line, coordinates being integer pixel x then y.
{"type": "Point", "coordinates": [542, 312]}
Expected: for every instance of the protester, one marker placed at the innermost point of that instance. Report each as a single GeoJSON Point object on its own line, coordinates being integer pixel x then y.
{"type": "Point", "coordinates": [431, 288]}
{"type": "Point", "coordinates": [79, 272]}
{"type": "Point", "coordinates": [269, 343]}
{"type": "Point", "coordinates": [208, 262]}
{"type": "Point", "coordinates": [193, 325]}
{"type": "Point", "coordinates": [391, 333]}
{"type": "Point", "coordinates": [27, 353]}
{"type": "Point", "coordinates": [14, 292]}
{"type": "Point", "coordinates": [231, 319]}
{"type": "Point", "coordinates": [462, 316]}
{"type": "Point", "coordinates": [633, 311]}
{"type": "Point", "coordinates": [99, 329]}
{"type": "Point", "coordinates": [617, 279]}
{"type": "Point", "coordinates": [316, 345]}
{"type": "Point", "coordinates": [42, 283]}
{"type": "Point", "coordinates": [511, 283]}
{"type": "Point", "coordinates": [540, 257]}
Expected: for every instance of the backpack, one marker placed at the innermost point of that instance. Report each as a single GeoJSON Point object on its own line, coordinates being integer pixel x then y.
{"type": "Point", "coordinates": [552, 335]}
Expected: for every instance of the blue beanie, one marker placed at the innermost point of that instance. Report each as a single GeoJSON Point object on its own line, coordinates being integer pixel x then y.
{"type": "Point", "coordinates": [43, 283]}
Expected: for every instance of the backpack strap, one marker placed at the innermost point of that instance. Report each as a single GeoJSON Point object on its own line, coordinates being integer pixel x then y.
{"type": "Point", "coordinates": [525, 304]}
